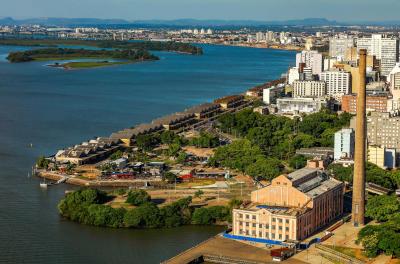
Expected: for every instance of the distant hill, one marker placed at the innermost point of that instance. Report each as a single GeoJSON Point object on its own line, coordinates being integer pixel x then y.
{"type": "Point", "coordinates": [55, 21]}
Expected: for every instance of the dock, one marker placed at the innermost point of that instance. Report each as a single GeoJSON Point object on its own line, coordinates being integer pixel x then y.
{"type": "Point", "coordinates": [222, 250]}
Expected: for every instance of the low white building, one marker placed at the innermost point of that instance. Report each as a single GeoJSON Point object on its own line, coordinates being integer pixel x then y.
{"type": "Point", "coordinates": [301, 105]}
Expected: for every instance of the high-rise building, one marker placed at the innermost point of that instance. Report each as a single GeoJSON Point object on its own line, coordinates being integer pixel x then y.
{"type": "Point", "coordinates": [293, 75]}
{"type": "Point", "coordinates": [338, 46]}
{"type": "Point", "coordinates": [309, 89]}
{"type": "Point", "coordinates": [386, 49]}
{"type": "Point", "coordinates": [337, 83]}
{"type": "Point", "coordinates": [260, 37]}
{"type": "Point", "coordinates": [292, 207]}
{"type": "Point", "coordinates": [379, 103]}
{"type": "Point", "coordinates": [394, 79]}
{"type": "Point", "coordinates": [270, 36]}
{"type": "Point", "coordinates": [344, 144]}
{"type": "Point", "coordinates": [382, 157]}
{"type": "Point", "coordinates": [383, 129]}
{"type": "Point", "coordinates": [312, 59]}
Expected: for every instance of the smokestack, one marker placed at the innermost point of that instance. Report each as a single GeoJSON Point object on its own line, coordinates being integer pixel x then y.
{"type": "Point", "coordinates": [358, 204]}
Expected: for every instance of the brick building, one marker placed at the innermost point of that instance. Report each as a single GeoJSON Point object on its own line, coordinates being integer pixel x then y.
{"type": "Point", "coordinates": [374, 103]}
{"type": "Point", "coordinates": [292, 208]}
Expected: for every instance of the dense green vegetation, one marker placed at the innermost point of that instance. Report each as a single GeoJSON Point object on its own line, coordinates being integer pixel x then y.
{"type": "Point", "coordinates": [87, 206]}
{"type": "Point", "coordinates": [385, 237]}
{"type": "Point", "coordinates": [42, 162]}
{"type": "Point", "coordinates": [140, 45]}
{"type": "Point", "coordinates": [382, 208]}
{"type": "Point", "coordinates": [205, 140]}
{"type": "Point", "coordinates": [269, 142]}
{"type": "Point", "coordinates": [138, 197]}
{"type": "Point", "coordinates": [374, 174]}
{"type": "Point", "coordinates": [62, 53]}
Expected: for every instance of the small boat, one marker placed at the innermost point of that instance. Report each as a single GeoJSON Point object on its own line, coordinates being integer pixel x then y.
{"type": "Point", "coordinates": [43, 184]}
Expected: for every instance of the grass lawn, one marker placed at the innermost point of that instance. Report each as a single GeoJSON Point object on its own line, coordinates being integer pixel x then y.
{"type": "Point", "coordinates": [351, 252]}
{"type": "Point", "coordinates": [91, 64]}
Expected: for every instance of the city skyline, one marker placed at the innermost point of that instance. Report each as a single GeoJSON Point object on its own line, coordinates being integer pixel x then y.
{"type": "Point", "coordinates": [340, 10]}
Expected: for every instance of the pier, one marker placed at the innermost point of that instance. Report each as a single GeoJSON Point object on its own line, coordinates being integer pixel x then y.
{"type": "Point", "coordinates": [222, 250]}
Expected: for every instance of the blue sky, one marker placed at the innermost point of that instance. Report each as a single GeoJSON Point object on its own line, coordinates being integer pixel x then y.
{"type": "Point", "coordinates": [341, 10]}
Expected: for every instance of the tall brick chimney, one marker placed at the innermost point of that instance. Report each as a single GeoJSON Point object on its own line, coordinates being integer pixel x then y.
{"type": "Point", "coordinates": [358, 204]}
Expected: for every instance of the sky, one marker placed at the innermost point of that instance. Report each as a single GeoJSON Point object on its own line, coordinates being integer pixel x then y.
{"type": "Point", "coordinates": [263, 10]}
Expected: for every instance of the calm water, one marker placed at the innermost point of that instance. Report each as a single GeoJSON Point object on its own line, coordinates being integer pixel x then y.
{"type": "Point", "coordinates": [53, 108]}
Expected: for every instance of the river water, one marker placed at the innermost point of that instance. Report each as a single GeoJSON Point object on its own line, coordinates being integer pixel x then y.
{"type": "Point", "coordinates": [54, 108]}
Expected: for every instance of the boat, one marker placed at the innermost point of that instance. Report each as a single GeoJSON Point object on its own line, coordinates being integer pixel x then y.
{"type": "Point", "coordinates": [43, 184]}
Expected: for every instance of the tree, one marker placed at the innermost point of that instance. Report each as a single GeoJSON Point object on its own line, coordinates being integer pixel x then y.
{"type": "Point", "coordinates": [147, 142]}
{"type": "Point", "coordinates": [42, 162]}
{"type": "Point", "coordinates": [265, 168]}
{"type": "Point", "coordinates": [170, 177]}
{"type": "Point", "coordinates": [381, 208]}
{"type": "Point", "coordinates": [138, 197]}
{"type": "Point", "coordinates": [181, 157]}
{"type": "Point", "coordinates": [116, 155]}
{"type": "Point", "coordinates": [298, 162]}
{"type": "Point", "coordinates": [198, 193]}
{"type": "Point", "coordinates": [173, 150]}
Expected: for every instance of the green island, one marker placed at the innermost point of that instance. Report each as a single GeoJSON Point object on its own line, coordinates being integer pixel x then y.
{"type": "Point", "coordinates": [169, 46]}
{"type": "Point", "coordinates": [95, 207]}
{"type": "Point", "coordinates": [47, 54]}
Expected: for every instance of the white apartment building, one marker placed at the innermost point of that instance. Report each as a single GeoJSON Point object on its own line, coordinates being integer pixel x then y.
{"type": "Point", "coordinates": [338, 46]}
{"type": "Point", "coordinates": [260, 37]}
{"type": "Point", "coordinates": [383, 48]}
{"type": "Point", "coordinates": [270, 36]}
{"type": "Point", "coordinates": [344, 144]}
{"type": "Point", "coordinates": [394, 79]}
{"type": "Point", "coordinates": [312, 58]}
{"type": "Point", "coordinates": [338, 83]}
{"type": "Point", "coordinates": [311, 89]}
{"type": "Point", "coordinates": [271, 94]}
{"type": "Point", "coordinates": [293, 75]}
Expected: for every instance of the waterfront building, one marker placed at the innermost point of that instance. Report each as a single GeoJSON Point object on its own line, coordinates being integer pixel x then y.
{"type": "Point", "coordinates": [344, 144]}
{"type": "Point", "coordinates": [301, 105]}
{"type": "Point", "coordinates": [312, 59]}
{"type": "Point", "coordinates": [176, 121]}
{"type": "Point", "coordinates": [260, 37]}
{"type": "Point", "coordinates": [383, 129]}
{"type": "Point", "coordinates": [205, 110]}
{"type": "Point", "coordinates": [128, 136]}
{"type": "Point", "coordinates": [292, 208]}
{"type": "Point", "coordinates": [230, 101]}
{"type": "Point", "coordinates": [337, 83]}
{"type": "Point", "coordinates": [382, 157]}
{"type": "Point", "coordinates": [309, 89]}
{"type": "Point", "coordinates": [88, 152]}
{"type": "Point", "coordinates": [270, 36]}
{"type": "Point", "coordinates": [271, 94]}
{"type": "Point", "coordinates": [379, 103]}
{"type": "Point", "coordinates": [386, 49]}
{"type": "Point", "coordinates": [338, 46]}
